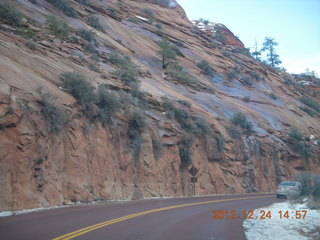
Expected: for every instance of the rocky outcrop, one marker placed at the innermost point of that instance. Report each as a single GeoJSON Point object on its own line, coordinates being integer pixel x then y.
{"type": "Point", "coordinates": [89, 161]}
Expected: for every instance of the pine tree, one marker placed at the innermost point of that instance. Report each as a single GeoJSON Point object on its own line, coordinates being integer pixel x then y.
{"type": "Point", "coordinates": [167, 52]}
{"type": "Point", "coordinates": [269, 45]}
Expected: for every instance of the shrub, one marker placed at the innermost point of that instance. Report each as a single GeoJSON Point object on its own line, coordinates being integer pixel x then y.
{"type": "Point", "coordinates": [256, 76]}
{"type": "Point", "coordinates": [220, 37]}
{"type": "Point", "coordinates": [310, 103]}
{"type": "Point", "coordinates": [81, 89]}
{"type": "Point", "coordinates": [288, 81]}
{"type": "Point", "coordinates": [239, 119]}
{"type": "Point", "coordinates": [234, 132]}
{"type": "Point", "coordinates": [299, 145]}
{"type": "Point", "coordinates": [128, 74]}
{"type": "Point", "coordinates": [240, 50]}
{"type": "Point", "coordinates": [162, 3]}
{"type": "Point", "coordinates": [185, 103]}
{"type": "Point", "coordinates": [136, 124]}
{"type": "Point", "coordinates": [10, 15]}
{"type": "Point", "coordinates": [296, 134]}
{"type": "Point", "coordinates": [273, 96]}
{"type": "Point", "coordinates": [247, 99]}
{"type": "Point", "coordinates": [205, 67]}
{"type": "Point", "coordinates": [27, 33]}
{"type": "Point", "coordinates": [179, 43]}
{"type": "Point", "coordinates": [220, 142]}
{"type": "Point", "coordinates": [91, 48]}
{"type": "Point", "coordinates": [159, 26]}
{"type": "Point", "coordinates": [83, 2]}
{"type": "Point", "coordinates": [309, 111]}
{"type": "Point", "coordinates": [55, 117]}
{"type": "Point", "coordinates": [88, 35]}
{"type": "Point", "coordinates": [226, 53]}
{"type": "Point", "coordinates": [176, 72]}
{"type": "Point", "coordinates": [95, 67]}
{"type": "Point", "coordinates": [31, 45]}
{"type": "Point", "coordinates": [148, 12]}
{"type": "Point", "coordinates": [203, 127]}
{"type": "Point", "coordinates": [118, 60]}
{"type": "Point", "coordinates": [58, 27]}
{"type": "Point", "coordinates": [128, 71]}
{"type": "Point", "coordinates": [64, 6]}
{"type": "Point", "coordinates": [180, 115]}
{"type": "Point", "coordinates": [185, 153]}
{"type": "Point", "coordinates": [247, 81]}
{"type": "Point", "coordinates": [109, 103]}
{"type": "Point", "coordinates": [157, 148]}
{"type": "Point", "coordinates": [94, 22]}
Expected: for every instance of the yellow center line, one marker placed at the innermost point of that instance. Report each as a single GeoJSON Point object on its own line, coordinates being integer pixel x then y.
{"type": "Point", "coordinates": [120, 219]}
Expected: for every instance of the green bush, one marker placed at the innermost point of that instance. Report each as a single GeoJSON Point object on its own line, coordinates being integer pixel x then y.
{"type": "Point", "coordinates": [95, 67]}
{"type": "Point", "coordinates": [176, 72]}
{"type": "Point", "coordinates": [239, 119]}
{"type": "Point", "coordinates": [296, 134]}
{"type": "Point", "coordinates": [81, 89]}
{"type": "Point", "coordinates": [109, 103]}
{"type": "Point", "coordinates": [273, 96]}
{"type": "Point", "coordinates": [180, 115]}
{"type": "Point", "coordinates": [127, 71]}
{"type": "Point", "coordinates": [162, 3]}
{"type": "Point", "coordinates": [94, 22]}
{"type": "Point", "coordinates": [220, 142]}
{"type": "Point", "coordinates": [83, 2]}
{"type": "Point", "coordinates": [118, 60]}
{"type": "Point", "coordinates": [64, 6]}
{"type": "Point", "coordinates": [185, 103]}
{"type": "Point", "coordinates": [179, 43]}
{"type": "Point", "coordinates": [205, 67]}
{"type": "Point", "coordinates": [10, 15]}
{"type": "Point", "coordinates": [55, 117]}
{"type": "Point", "coordinates": [202, 126]}
{"type": "Point", "coordinates": [136, 124]}
{"type": "Point", "coordinates": [58, 27]}
{"type": "Point", "coordinates": [247, 99]}
{"type": "Point", "coordinates": [185, 153]}
{"type": "Point", "coordinates": [31, 45]}
{"type": "Point", "coordinates": [220, 37]}
{"type": "Point", "coordinates": [310, 103]}
{"type": "Point", "coordinates": [248, 81]}
{"type": "Point", "coordinates": [234, 132]}
{"type": "Point", "coordinates": [157, 148]}
{"type": "Point", "coordinates": [91, 48]}
{"type": "Point", "coordinates": [309, 111]}
{"type": "Point", "coordinates": [299, 145]}
{"type": "Point", "coordinates": [148, 12]}
{"type": "Point", "coordinates": [256, 76]}
{"type": "Point", "coordinates": [88, 35]}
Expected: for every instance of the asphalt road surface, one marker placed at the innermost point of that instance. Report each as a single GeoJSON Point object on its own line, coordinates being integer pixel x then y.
{"type": "Point", "coordinates": [189, 218]}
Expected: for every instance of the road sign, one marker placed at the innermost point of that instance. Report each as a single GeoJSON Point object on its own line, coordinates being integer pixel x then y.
{"type": "Point", "coordinates": [193, 171]}
{"type": "Point", "coordinates": [194, 179]}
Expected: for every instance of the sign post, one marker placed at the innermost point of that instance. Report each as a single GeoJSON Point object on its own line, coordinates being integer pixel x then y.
{"type": "Point", "coordinates": [193, 171]}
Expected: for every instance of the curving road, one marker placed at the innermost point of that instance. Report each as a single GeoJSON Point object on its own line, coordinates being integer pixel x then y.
{"type": "Point", "coordinates": [175, 218]}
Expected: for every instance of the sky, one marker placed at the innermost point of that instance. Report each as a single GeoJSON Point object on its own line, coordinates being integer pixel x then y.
{"type": "Point", "coordinates": [294, 24]}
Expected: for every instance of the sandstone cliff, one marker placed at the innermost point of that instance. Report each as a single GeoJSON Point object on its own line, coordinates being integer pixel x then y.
{"type": "Point", "coordinates": [90, 160]}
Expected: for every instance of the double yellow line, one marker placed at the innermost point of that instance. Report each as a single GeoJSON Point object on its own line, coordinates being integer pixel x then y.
{"type": "Point", "coordinates": [112, 221]}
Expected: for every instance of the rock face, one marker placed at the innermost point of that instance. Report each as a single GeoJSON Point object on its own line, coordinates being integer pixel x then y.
{"type": "Point", "coordinates": [89, 161]}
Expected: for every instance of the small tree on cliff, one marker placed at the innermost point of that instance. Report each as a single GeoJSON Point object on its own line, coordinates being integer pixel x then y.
{"type": "Point", "coordinates": [269, 45]}
{"type": "Point", "coordinates": [256, 53]}
{"type": "Point", "coordinates": [167, 52]}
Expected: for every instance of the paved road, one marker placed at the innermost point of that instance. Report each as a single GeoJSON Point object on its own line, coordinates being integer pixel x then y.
{"type": "Point", "coordinates": [156, 219]}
